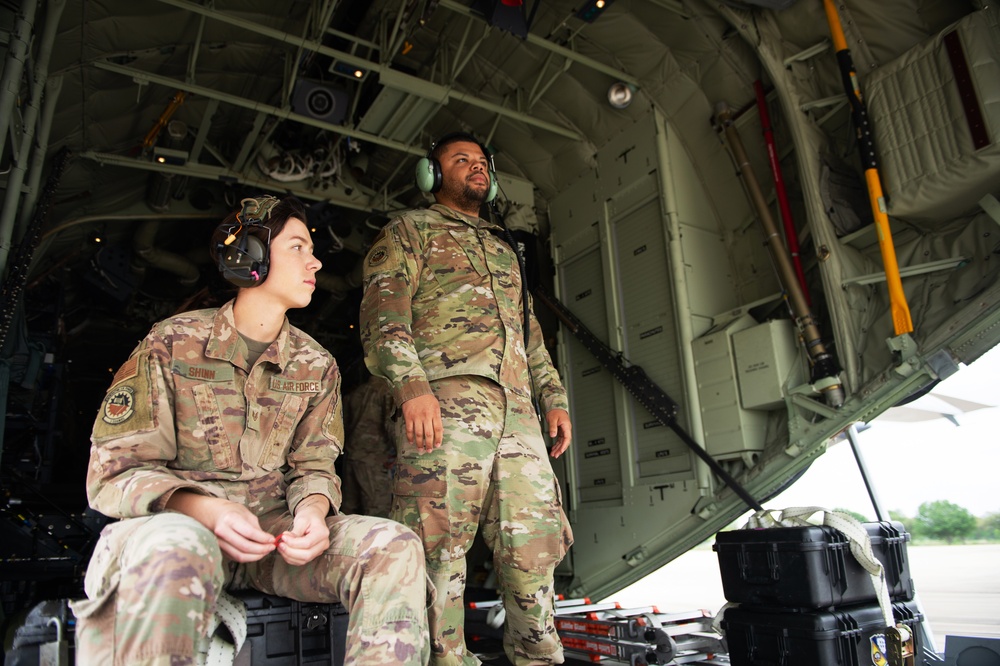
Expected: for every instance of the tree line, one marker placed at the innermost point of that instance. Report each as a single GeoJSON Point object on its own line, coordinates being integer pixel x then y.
{"type": "Point", "coordinates": [942, 520]}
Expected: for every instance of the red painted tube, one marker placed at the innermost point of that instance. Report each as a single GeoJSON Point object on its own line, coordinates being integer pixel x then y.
{"type": "Point", "coordinates": [791, 236]}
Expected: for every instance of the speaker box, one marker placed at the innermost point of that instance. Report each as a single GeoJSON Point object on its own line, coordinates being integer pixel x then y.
{"type": "Point", "coordinates": [320, 101]}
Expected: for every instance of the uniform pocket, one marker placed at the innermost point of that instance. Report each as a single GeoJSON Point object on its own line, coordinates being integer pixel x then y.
{"type": "Point", "coordinates": [456, 260]}
{"type": "Point", "coordinates": [279, 439]}
{"type": "Point", "coordinates": [420, 502]}
{"type": "Point", "coordinates": [211, 425]}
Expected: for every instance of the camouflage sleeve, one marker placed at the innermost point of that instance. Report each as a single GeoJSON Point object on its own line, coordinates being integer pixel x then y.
{"type": "Point", "coordinates": [391, 275]}
{"type": "Point", "coordinates": [134, 436]}
{"type": "Point", "coordinates": [319, 439]}
{"type": "Point", "coordinates": [551, 394]}
{"type": "Point", "coordinates": [388, 411]}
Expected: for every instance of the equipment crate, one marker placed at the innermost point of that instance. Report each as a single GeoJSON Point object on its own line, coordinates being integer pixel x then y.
{"type": "Point", "coordinates": [284, 632]}
{"type": "Point", "coordinates": [809, 568]}
{"type": "Point", "coordinates": [848, 636]}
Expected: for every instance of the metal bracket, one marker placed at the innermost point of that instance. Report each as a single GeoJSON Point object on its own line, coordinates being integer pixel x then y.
{"type": "Point", "coordinates": [990, 204]}
{"type": "Point", "coordinates": [904, 349]}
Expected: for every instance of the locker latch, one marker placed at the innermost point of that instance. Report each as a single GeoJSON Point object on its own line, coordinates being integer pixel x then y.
{"type": "Point", "coordinates": [55, 653]}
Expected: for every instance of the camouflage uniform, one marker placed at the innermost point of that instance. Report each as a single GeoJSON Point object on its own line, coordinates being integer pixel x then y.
{"type": "Point", "coordinates": [442, 314]}
{"type": "Point", "coordinates": [369, 449]}
{"type": "Point", "coordinates": [188, 411]}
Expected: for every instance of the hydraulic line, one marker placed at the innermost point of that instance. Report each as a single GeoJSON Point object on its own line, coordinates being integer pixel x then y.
{"type": "Point", "coordinates": [824, 366]}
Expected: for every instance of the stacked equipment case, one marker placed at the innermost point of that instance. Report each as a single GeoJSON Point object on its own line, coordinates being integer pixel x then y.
{"type": "Point", "coordinates": [803, 598]}
{"type": "Point", "coordinates": [285, 632]}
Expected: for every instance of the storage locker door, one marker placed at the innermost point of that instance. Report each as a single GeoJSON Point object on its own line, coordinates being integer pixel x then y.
{"type": "Point", "coordinates": [595, 422]}
{"type": "Point", "coordinates": [651, 340]}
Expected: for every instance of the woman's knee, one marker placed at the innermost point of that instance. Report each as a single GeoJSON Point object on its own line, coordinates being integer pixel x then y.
{"type": "Point", "coordinates": [175, 542]}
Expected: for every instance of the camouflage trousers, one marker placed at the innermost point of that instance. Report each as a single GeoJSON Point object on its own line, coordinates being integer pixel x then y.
{"type": "Point", "coordinates": [153, 582]}
{"type": "Point", "coordinates": [491, 473]}
{"type": "Point", "coordinates": [366, 488]}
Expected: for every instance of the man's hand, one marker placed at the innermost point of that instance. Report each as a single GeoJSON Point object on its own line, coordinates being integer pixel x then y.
{"type": "Point", "coordinates": [422, 416]}
{"type": "Point", "coordinates": [234, 525]}
{"type": "Point", "coordinates": [560, 430]}
{"type": "Point", "coordinates": [309, 537]}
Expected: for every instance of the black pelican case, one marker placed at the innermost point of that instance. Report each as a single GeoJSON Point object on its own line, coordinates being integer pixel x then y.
{"type": "Point", "coordinates": [809, 568]}
{"type": "Point", "coordinates": [284, 632]}
{"type": "Point", "coordinates": [847, 636]}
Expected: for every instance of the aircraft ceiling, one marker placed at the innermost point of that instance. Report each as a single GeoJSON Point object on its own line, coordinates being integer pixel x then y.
{"type": "Point", "coordinates": [248, 76]}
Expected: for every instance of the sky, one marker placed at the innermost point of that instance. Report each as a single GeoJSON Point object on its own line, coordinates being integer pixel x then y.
{"type": "Point", "coordinates": [914, 462]}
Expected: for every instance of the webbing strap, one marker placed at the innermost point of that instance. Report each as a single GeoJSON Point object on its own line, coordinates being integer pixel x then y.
{"type": "Point", "coordinates": [231, 612]}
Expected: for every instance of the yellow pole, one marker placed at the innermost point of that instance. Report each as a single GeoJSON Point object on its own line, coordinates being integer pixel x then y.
{"type": "Point", "coordinates": [897, 299]}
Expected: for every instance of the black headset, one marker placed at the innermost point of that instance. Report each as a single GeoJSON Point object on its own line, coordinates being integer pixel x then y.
{"type": "Point", "coordinates": [243, 257]}
{"type": "Point", "coordinates": [428, 172]}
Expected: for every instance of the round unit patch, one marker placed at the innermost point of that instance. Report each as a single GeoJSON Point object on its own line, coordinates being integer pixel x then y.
{"type": "Point", "coordinates": [119, 406]}
{"type": "Point", "coordinates": [378, 256]}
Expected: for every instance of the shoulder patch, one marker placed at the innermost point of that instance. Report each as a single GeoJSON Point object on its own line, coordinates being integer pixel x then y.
{"type": "Point", "coordinates": [128, 406]}
{"type": "Point", "coordinates": [119, 406]}
{"type": "Point", "coordinates": [384, 255]}
{"type": "Point", "coordinates": [378, 256]}
{"type": "Point", "coordinates": [128, 370]}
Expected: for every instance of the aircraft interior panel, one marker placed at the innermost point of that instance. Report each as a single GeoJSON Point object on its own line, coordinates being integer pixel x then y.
{"type": "Point", "coordinates": [625, 163]}
{"type": "Point", "coordinates": [689, 198]}
{"type": "Point", "coordinates": [592, 388]}
{"type": "Point", "coordinates": [730, 431]}
{"type": "Point", "coordinates": [649, 323]}
{"type": "Point", "coordinates": [709, 283]}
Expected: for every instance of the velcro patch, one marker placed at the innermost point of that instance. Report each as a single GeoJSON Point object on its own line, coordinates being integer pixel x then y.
{"type": "Point", "coordinates": [285, 385]}
{"type": "Point", "coordinates": [128, 406]}
{"type": "Point", "coordinates": [119, 406]}
{"type": "Point", "coordinates": [207, 373]}
{"type": "Point", "coordinates": [384, 254]}
{"type": "Point", "coordinates": [127, 371]}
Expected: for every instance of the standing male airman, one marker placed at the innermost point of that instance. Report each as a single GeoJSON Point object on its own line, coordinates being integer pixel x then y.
{"type": "Point", "coordinates": [442, 321]}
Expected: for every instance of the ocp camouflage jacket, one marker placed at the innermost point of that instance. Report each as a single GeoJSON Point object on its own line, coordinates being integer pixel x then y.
{"type": "Point", "coordinates": [188, 411]}
{"type": "Point", "coordinates": [443, 298]}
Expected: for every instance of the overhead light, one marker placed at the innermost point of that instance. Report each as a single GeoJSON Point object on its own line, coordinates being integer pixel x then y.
{"type": "Point", "coordinates": [346, 69]}
{"type": "Point", "coordinates": [592, 9]}
{"type": "Point", "coordinates": [170, 156]}
{"type": "Point", "coordinates": [620, 95]}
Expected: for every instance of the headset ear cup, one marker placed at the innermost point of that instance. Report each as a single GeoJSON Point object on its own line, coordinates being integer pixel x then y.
{"type": "Point", "coordinates": [244, 267]}
{"type": "Point", "coordinates": [428, 175]}
{"type": "Point", "coordinates": [262, 259]}
{"type": "Point", "coordinates": [491, 193]}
